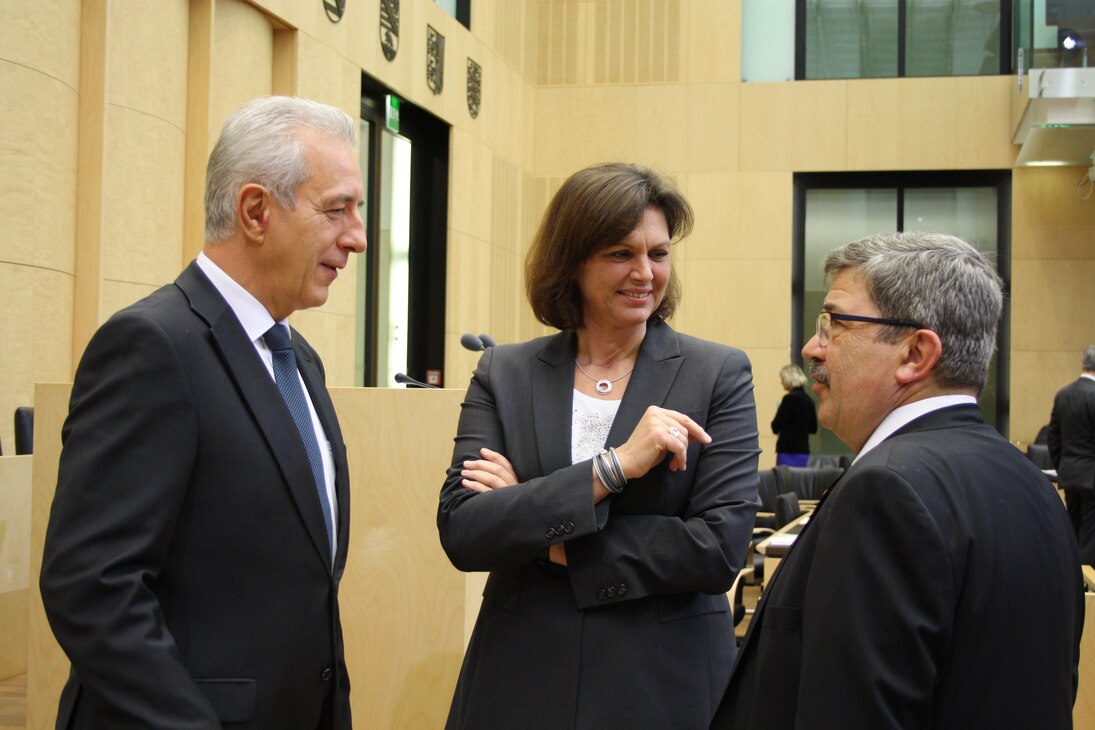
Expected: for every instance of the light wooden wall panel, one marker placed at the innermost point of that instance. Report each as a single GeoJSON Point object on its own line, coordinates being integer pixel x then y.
{"type": "Point", "coordinates": [1053, 266]}
{"type": "Point", "coordinates": [47, 666]}
{"type": "Point", "coordinates": [39, 78]}
{"type": "Point", "coordinates": [15, 578]}
{"type": "Point", "coordinates": [402, 601]}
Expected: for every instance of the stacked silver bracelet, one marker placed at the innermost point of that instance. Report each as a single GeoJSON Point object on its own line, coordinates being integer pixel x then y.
{"type": "Point", "coordinates": [609, 471]}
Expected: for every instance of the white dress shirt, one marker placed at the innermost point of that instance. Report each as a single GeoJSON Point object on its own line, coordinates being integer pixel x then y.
{"type": "Point", "coordinates": [910, 412]}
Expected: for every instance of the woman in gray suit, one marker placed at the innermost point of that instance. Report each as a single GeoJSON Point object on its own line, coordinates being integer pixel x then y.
{"type": "Point", "coordinates": [606, 477]}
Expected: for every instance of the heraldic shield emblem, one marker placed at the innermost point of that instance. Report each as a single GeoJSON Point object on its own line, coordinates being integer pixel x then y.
{"type": "Point", "coordinates": [335, 9]}
{"type": "Point", "coordinates": [435, 60]}
{"type": "Point", "coordinates": [475, 87]}
{"type": "Point", "coordinates": [389, 28]}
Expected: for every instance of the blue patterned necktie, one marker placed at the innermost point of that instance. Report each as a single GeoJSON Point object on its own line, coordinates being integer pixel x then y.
{"type": "Point", "coordinates": [285, 375]}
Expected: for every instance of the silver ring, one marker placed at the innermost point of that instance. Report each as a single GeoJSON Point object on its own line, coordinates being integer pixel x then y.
{"type": "Point", "coordinates": [675, 432]}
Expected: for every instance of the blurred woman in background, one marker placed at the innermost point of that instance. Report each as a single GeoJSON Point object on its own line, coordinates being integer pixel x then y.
{"type": "Point", "coordinates": [795, 419]}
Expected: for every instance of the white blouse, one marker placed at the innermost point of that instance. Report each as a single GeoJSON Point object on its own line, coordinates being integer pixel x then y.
{"type": "Point", "coordinates": [591, 420]}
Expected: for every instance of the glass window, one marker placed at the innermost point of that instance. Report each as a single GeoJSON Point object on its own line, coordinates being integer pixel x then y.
{"type": "Point", "coordinates": [846, 39]}
{"type": "Point", "coordinates": [834, 209]}
{"type": "Point", "coordinates": [459, 9]}
{"type": "Point", "coordinates": [952, 37]}
{"type": "Point", "coordinates": [768, 40]}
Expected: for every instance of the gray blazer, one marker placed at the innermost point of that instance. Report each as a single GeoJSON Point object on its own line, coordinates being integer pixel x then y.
{"type": "Point", "coordinates": [636, 632]}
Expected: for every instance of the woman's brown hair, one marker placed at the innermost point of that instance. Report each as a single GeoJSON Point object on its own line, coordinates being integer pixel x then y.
{"type": "Point", "coordinates": [595, 208]}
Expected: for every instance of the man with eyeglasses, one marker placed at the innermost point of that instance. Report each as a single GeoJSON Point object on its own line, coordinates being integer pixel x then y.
{"type": "Point", "coordinates": [937, 583]}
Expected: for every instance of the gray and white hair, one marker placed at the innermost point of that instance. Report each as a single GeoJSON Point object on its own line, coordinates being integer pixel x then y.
{"type": "Point", "coordinates": [1089, 359]}
{"type": "Point", "coordinates": [939, 281]}
{"type": "Point", "coordinates": [260, 143]}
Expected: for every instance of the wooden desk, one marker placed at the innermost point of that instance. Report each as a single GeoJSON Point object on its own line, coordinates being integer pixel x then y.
{"type": "Point", "coordinates": [776, 545]}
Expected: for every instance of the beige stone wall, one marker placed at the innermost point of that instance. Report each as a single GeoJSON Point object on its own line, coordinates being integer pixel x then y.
{"type": "Point", "coordinates": [117, 104]}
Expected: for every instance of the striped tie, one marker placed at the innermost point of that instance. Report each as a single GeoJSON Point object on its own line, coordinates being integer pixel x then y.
{"type": "Point", "coordinates": [285, 375]}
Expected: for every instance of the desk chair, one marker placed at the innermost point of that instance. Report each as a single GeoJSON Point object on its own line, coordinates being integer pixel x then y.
{"type": "Point", "coordinates": [787, 508]}
{"type": "Point", "coordinates": [767, 490]}
{"type": "Point", "coordinates": [1039, 454]}
{"type": "Point", "coordinates": [805, 482]}
{"type": "Point", "coordinates": [24, 430]}
{"type": "Point", "coordinates": [815, 461]}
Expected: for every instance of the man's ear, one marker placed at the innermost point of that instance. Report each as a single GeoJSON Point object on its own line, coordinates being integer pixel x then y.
{"type": "Point", "coordinates": [920, 354]}
{"type": "Point", "coordinates": [253, 211]}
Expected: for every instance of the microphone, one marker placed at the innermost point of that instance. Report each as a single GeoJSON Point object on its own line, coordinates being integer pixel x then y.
{"type": "Point", "coordinates": [487, 341]}
{"type": "Point", "coordinates": [404, 379]}
{"type": "Point", "coordinates": [470, 342]}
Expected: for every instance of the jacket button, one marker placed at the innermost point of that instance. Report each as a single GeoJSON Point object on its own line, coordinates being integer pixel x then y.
{"type": "Point", "coordinates": [611, 591]}
{"type": "Point", "coordinates": [621, 590]}
{"type": "Point", "coordinates": [568, 528]}
{"type": "Point", "coordinates": [601, 595]}
{"type": "Point", "coordinates": [327, 674]}
{"type": "Point", "coordinates": [550, 533]}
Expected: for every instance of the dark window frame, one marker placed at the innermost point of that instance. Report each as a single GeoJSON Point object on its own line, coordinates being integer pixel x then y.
{"type": "Point", "coordinates": [1007, 30]}
{"type": "Point", "coordinates": [901, 181]}
{"type": "Point", "coordinates": [428, 232]}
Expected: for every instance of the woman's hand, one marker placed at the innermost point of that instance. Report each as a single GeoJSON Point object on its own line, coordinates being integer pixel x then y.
{"type": "Point", "coordinates": [493, 471]}
{"type": "Point", "coordinates": [660, 430]}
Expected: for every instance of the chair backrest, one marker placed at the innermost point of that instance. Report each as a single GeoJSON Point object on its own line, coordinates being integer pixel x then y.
{"type": "Point", "coordinates": [767, 490]}
{"type": "Point", "coordinates": [24, 430]}
{"type": "Point", "coordinates": [787, 509]}
{"type": "Point", "coordinates": [805, 482]}
{"type": "Point", "coordinates": [1039, 454]}
{"type": "Point", "coordinates": [815, 461]}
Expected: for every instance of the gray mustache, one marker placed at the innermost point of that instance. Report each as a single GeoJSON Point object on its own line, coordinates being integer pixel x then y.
{"type": "Point", "coordinates": [818, 373]}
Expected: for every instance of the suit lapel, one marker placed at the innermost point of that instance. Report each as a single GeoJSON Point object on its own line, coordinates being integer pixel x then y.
{"type": "Point", "coordinates": [261, 395]}
{"type": "Point", "coordinates": [949, 417]}
{"type": "Point", "coordinates": [552, 398]}
{"type": "Point", "coordinates": [656, 368]}
{"type": "Point", "coordinates": [325, 410]}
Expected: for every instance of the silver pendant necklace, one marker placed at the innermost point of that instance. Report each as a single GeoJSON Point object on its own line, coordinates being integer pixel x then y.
{"type": "Point", "coordinates": [603, 385]}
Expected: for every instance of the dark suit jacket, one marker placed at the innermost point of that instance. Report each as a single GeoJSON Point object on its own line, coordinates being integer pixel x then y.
{"type": "Point", "coordinates": [1072, 435]}
{"type": "Point", "coordinates": [187, 572]}
{"type": "Point", "coordinates": [636, 633]}
{"type": "Point", "coordinates": [937, 585]}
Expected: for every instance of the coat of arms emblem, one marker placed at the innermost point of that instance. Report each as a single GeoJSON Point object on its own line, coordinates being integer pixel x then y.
{"type": "Point", "coordinates": [389, 28]}
{"type": "Point", "coordinates": [475, 87]}
{"type": "Point", "coordinates": [435, 60]}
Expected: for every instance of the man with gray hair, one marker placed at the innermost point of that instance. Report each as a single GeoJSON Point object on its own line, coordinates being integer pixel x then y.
{"type": "Point", "coordinates": [199, 529]}
{"type": "Point", "coordinates": [1072, 448]}
{"type": "Point", "coordinates": [937, 582]}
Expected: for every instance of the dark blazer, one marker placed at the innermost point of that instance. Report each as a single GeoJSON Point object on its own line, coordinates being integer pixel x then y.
{"type": "Point", "coordinates": [937, 585]}
{"type": "Point", "coordinates": [794, 422]}
{"type": "Point", "coordinates": [187, 572]}
{"type": "Point", "coordinates": [636, 632]}
{"type": "Point", "coordinates": [1071, 438]}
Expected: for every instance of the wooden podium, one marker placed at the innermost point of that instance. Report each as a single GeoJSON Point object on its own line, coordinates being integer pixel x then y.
{"type": "Point", "coordinates": [402, 602]}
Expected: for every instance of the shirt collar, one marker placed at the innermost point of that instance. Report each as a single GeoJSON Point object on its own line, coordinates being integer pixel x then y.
{"type": "Point", "coordinates": [249, 311]}
{"type": "Point", "coordinates": [1088, 376]}
{"type": "Point", "coordinates": [908, 413]}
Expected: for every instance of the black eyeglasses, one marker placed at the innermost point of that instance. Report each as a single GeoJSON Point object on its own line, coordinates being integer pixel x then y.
{"type": "Point", "coordinates": [825, 321]}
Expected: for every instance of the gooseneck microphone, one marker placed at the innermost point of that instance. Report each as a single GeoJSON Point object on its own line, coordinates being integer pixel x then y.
{"type": "Point", "coordinates": [404, 379]}
{"type": "Point", "coordinates": [470, 342]}
{"type": "Point", "coordinates": [476, 343]}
